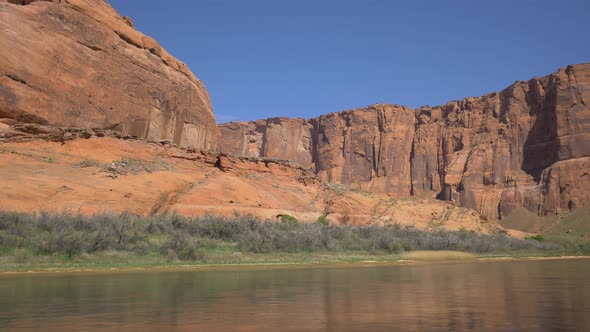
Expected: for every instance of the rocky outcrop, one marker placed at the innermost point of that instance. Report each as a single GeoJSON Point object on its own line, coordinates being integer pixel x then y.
{"type": "Point", "coordinates": [101, 173]}
{"type": "Point", "coordinates": [527, 146]}
{"type": "Point", "coordinates": [78, 63]}
{"type": "Point", "coordinates": [281, 138]}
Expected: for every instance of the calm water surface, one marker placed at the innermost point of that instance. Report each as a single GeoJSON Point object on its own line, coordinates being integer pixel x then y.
{"type": "Point", "coordinates": [486, 296]}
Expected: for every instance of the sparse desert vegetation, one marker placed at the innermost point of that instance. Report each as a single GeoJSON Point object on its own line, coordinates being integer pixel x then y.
{"type": "Point", "coordinates": [49, 240]}
{"type": "Point", "coordinates": [570, 231]}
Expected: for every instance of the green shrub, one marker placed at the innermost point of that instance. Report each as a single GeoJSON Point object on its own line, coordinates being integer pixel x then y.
{"type": "Point", "coordinates": [288, 219]}
{"type": "Point", "coordinates": [538, 238]}
{"type": "Point", "coordinates": [585, 248]}
{"type": "Point", "coordinates": [389, 244]}
{"type": "Point", "coordinates": [323, 220]}
{"type": "Point", "coordinates": [21, 255]}
{"type": "Point", "coordinates": [182, 247]}
{"type": "Point", "coordinates": [15, 229]}
{"type": "Point", "coordinates": [255, 242]}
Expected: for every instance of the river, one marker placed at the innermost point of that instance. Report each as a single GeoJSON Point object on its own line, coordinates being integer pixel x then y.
{"type": "Point", "coordinates": [544, 295]}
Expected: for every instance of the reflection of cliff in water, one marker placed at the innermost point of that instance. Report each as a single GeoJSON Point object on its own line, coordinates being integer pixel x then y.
{"type": "Point", "coordinates": [490, 296]}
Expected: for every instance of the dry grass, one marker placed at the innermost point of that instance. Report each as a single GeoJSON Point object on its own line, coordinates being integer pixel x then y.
{"type": "Point", "coordinates": [523, 220]}
{"type": "Point", "coordinates": [439, 255]}
{"type": "Point", "coordinates": [576, 223]}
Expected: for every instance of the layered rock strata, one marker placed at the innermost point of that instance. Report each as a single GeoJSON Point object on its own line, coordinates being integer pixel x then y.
{"type": "Point", "coordinates": [93, 171]}
{"type": "Point", "coordinates": [526, 146]}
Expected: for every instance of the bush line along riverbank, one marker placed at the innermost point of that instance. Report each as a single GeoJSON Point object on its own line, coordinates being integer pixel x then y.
{"type": "Point", "coordinates": [44, 240]}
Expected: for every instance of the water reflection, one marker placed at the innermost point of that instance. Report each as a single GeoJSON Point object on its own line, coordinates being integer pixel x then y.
{"type": "Point", "coordinates": [499, 296]}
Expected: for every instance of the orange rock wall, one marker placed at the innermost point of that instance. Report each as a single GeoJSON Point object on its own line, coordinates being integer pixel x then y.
{"type": "Point", "coordinates": [528, 145]}
{"type": "Point", "coordinates": [103, 174]}
{"type": "Point", "coordinates": [78, 63]}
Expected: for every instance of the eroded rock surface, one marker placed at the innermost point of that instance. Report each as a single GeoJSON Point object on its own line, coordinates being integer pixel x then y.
{"type": "Point", "coordinates": [526, 146]}
{"type": "Point", "coordinates": [78, 63]}
{"type": "Point", "coordinates": [108, 174]}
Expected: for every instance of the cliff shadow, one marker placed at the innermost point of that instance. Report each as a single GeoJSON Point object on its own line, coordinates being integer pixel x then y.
{"type": "Point", "coordinates": [541, 146]}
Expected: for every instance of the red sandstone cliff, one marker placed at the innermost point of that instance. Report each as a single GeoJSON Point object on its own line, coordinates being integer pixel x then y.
{"type": "Point", "coordinates": [78, 63]}
{"type": "Point", "coordinates": [94, 172]}
{"type": "Point", "coordinates": [527, 146]}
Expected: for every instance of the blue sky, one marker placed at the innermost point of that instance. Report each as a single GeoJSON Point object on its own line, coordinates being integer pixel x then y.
{"type": "Point", "coordinates": [303, 58]}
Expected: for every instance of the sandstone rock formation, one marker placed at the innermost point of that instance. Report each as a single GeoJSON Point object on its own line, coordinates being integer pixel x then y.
{"type": "Point", "coordinates": [100, 173]}
{"type": "Point", "coordinates": [527, 146]}
{"type": "Point", "coordinates": [78, 63]}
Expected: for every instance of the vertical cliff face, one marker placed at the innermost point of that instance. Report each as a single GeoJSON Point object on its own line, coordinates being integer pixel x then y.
{"type": "Point", "coordinates": [281, 138]}
{"type": "Point", "coordinates": [79, 63]}
{"type": "Point", "coordinates": [367, 148]}
{"type": "Point", "coordinates": [527, 146]}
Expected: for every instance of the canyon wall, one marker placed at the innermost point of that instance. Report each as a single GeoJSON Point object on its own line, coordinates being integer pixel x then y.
{"type": "Point", "coordinates": [78, 63]}
{"type": "Point", "coordinates": [97, 172]}
{"type": "Point", "coordinates": [526, 146]}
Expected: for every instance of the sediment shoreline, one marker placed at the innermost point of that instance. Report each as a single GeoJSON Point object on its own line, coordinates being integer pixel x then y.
{"type": "Point", "coordinates": [274, 266]}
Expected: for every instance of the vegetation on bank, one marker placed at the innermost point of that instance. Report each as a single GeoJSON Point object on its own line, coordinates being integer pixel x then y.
{"type": "Point", "coordinates": [46, 240]}
{"type": "Point", "coordinates": [570, 231]}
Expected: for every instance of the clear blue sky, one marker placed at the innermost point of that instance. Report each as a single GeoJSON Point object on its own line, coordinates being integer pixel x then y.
{"type": "Point", "coordinates": [303, 58]}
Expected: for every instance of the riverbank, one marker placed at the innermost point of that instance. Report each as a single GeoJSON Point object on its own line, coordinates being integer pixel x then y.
{"type": "Point", "coordinates": [47, 242]}
{"type": "Point", "coordinates": [277, 262]}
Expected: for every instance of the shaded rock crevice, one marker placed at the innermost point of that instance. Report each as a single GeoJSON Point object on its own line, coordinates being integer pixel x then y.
{"type": "Point", "coordinates": [94, 48]}
{"type": "Point", "coordinates": [17, 79]}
